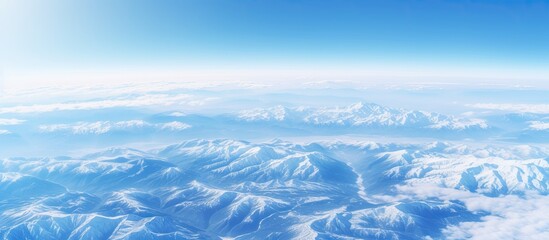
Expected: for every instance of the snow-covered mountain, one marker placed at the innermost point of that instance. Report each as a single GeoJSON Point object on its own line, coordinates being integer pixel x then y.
{"type": "Point", "coordinates": [361, 115]}
{"type": "Point", "coordinates": [58, 135]}
{"type": "Point", "coordinates": [214, 189]}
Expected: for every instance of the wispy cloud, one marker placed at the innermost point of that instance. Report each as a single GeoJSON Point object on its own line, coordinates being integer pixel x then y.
{"type": "Point", "coordinates": [139, 101]}
{"type": "Point", "coordinates": [177, 114]}
{"type": "Point", "coordinates": [4, 132]}
{"type": "Point", "coordinates": [521, 108]}
{"type": "Point", "coordinates": [10, 121]}
{"type": "Point", "coordinates": [174, 126]}
{"type": "Point", "coordinates": [102, 127]}
{"type": "Point", "coordinates": [539, 126]}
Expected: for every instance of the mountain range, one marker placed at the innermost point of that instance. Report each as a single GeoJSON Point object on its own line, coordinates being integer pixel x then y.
{"type": "Point", "coordinates": [231, 189]}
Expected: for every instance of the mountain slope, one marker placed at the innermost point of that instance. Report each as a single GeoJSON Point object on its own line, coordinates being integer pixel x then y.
{"type": "Point", "coordinates": [212, 189]}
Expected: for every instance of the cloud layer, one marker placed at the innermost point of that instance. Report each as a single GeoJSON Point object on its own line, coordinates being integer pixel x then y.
{"type": "Point", "coordinates": [10, 121]}
{"type": "Point", "coordinates": [539, 126]}
{"type": "Point", "coordinates": [510, 216]}
{"type": "Point", "coordinates": [139, 101]}
{"type": "Point", "coordinates": [521, 108]}
{"type": "Point", "coordinates": [102, 127]}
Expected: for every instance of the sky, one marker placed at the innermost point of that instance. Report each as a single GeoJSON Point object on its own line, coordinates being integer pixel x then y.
{"type": "Point", "coordinates": [46, 41]}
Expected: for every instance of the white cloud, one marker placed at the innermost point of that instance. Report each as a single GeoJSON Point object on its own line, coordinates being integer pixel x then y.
{"type": "Point", "coordinates": [79, 128]}
{"type": "Point", "coordinates": [177, 114]}
{"type": "Point", "coordinates": [521, 108]}
{"type": "Point", "coordinates": [10, 121]}
{"type": "Point", "coordinates": [101, 127]}
{"type": "Point", "coordinates": [460, 124]}
{"type": "Point", "coordinates": [539, 126]}
{"type": "Point", "coordinates": [140, 101]}
{"type": "Point", "coordinates": [4, 132]}
{"type": "Point", "coordinates": [174, 126]}
{"type": "Point", "coordinates": [510, 216]}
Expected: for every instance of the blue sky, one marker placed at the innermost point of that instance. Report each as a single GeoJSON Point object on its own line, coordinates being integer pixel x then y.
{"type": "Point", "coordinates": [446, 35]}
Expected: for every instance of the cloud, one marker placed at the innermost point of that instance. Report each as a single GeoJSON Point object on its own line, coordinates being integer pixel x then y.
{"type": "Point", "coordinates": [102, 127]}
{"type": "Point", "coordinates": [177, 114]}
{"type": "Point", "coordinates": [509, 217]}
{"type": "Point", "coordinates": [78, 128]}
{"type": "Point", "coordinates": [10, 121]}
{"type": "Point", "coordinates": [140, 101]}
{"type": "Point", "coordinates": [538, 126]}
{"type": "Point", "coordinates": [460, 124]}
{"type": "Point", "coordinates": [174, 126]}
{"type": "Point", "coordinates": [4, 132]}
{"type": "Point", "coordinates": [521, 108]}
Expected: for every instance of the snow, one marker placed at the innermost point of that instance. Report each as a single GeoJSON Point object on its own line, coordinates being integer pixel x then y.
{"type": "Point", "coordinates": [361, 114]}
{"type": "Point", "coordinates": [232, 189]}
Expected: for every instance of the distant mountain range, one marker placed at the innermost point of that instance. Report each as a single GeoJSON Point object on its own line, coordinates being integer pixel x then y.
{"type": "Point", "coordinates": [43, 134]}
{"type": "Point", "coordinates": [362, 115]}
